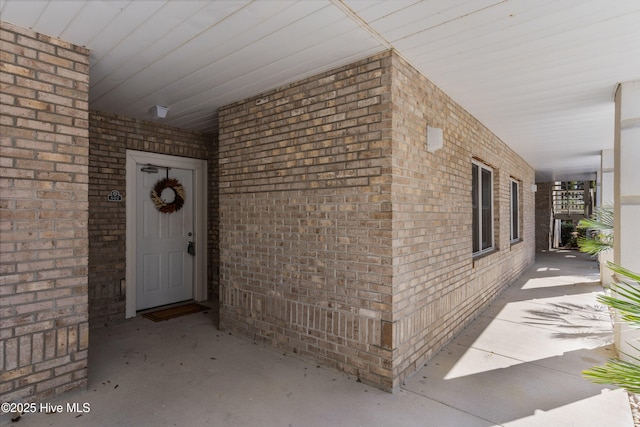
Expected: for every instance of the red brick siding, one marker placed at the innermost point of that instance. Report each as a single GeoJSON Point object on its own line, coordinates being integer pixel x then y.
{"type": "Point", "coordinates": [544, 215]}
{"type": "Point", "coordinates": [110, 136]}
{"type": "Point", "coordinates": [305, 217]}
{"type": "Point", "coordinates": [438, 287]}
{"type": "Point", "coordinates": [342, 238]}
{"type": "Point", "coordinates": [44, 213]}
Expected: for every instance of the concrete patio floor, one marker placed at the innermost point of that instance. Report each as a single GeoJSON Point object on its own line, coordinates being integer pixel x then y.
{"type": "Point", "coordinates": [518, 364]}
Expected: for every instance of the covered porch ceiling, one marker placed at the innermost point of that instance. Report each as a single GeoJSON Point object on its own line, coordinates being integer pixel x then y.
{"type": "Point", "coordinates": [540, 74]}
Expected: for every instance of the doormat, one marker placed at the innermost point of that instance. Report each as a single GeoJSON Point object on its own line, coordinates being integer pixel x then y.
{"type": "Point", "coordinates": [173, 312]}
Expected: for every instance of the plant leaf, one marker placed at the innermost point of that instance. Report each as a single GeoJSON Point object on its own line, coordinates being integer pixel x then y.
{"type": "Point", "coordinates": [599, 231]}
{"type": "Point", "coordinates": [592, 246]}
{"type": "Point", "coordinates": [623, 271]}
{"type": "Point", "coordinates": [625, 297]}
{"type": "Point", "coordinates": [617, 372]}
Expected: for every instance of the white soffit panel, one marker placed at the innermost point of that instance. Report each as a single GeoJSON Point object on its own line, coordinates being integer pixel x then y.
{"type": "Point", "coordinates": [87, 27]}
{"type": "Point", "coordinates": [204, 55]}
{"type": "Point", "coordinates": [539, 74]}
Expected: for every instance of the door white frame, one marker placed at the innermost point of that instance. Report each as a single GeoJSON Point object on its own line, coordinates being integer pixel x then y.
{"type": "Point", "coordinates": [199, 167]}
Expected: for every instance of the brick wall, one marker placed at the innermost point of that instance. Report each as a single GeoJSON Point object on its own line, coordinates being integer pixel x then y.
{"type": "Point", "coordinates": [213, 220]}
{"type": "Point", "coordinates": [44, 213]}
{"type": "Point", "coordinates": [341, 237]}
{"type": "Point", "coordinates": [438, 287]}
{"type": "Point", "coordinates": [544, 215]}
{"type": "Point", "coordinates": [304, 219]}
{"type": "Point", "coordinates": [109, 138]}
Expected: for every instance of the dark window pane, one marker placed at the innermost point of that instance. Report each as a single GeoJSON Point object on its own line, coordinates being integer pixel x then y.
{"type": "Point", "coordinates": [475, 211]}
{"type": "Point", "coordinates": [515, 226]}
{"type": "Point", "coordinates": [486, 209]}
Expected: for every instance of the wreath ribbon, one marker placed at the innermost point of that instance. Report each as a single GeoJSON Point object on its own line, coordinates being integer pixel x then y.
{"type": "Point", "coordinates": [178, 191]}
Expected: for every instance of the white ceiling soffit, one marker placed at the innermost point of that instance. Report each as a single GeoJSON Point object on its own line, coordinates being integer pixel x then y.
{"type": "Point", "coordinates": [539, 73]}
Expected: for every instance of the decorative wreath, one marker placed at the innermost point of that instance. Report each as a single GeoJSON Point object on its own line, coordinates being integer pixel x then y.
{"type": "Point", "coordinates": [168, 206]}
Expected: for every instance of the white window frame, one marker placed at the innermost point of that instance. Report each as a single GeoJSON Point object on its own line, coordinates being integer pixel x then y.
{"type": "Point", "coordinates": [478, 216]}
{"type": "Point", "coordinates": [514, 210]}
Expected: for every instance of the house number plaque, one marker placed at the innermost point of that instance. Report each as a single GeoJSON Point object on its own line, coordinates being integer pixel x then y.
{"type": "Point", "coordinates": [114, 196]}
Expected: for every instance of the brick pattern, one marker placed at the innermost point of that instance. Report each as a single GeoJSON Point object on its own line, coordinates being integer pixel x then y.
{"type": "Point", "coordinates": [213, 220]}
{"type": "Point", "coordinates": [109, 138]}
{"type": "Point", "coordinates": [305, 217]}
{"type": "Point", "coordinates": [544, 215]}
{"type": "Point", "coordinates": [43, 215]}
{"type": "Point", "coordinates": [343, 239]}
{"type": "Point", "coordinates": [438, 286]}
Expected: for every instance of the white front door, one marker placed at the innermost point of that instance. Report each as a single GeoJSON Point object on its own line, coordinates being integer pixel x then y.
{"type": "Point", "coordinates": [164, 270]}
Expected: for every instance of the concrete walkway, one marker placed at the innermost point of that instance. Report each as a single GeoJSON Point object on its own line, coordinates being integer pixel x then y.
{"type": "Point", "coordinates": [518, 364]}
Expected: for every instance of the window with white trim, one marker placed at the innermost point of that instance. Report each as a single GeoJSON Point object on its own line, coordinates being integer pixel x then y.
{"type": "Point", "coordinates": [515, 210]}
{"type": "Point", "coordinates": [482, 200]}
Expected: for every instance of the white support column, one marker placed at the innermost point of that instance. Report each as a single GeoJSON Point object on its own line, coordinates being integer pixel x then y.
{"type": "Point", "coordinates": [606, 178]}
{"type": "Point", "coordinates": [605, 198]}
{"type": "Point", "coordinates": [627, 193]}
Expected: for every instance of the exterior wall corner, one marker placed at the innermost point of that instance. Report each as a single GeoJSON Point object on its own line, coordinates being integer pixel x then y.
{"type": "Point", "coordinates": [44, 193]}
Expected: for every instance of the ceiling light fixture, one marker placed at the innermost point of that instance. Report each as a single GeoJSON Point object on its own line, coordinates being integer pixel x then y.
{"type": "Point", "coordinates": [158, 111]}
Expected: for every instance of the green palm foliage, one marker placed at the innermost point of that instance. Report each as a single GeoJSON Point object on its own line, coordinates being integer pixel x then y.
{"type": "Point", "coordinates": [616, 372]}
{"type": "Point", "coordinates": [599, 232]}
{"type": "Point", "coordinates": [627, 301]}
{"type": "Point", "coordinates": [625, 298]}
{"type": "Point", "coordinates": [621, 373]}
